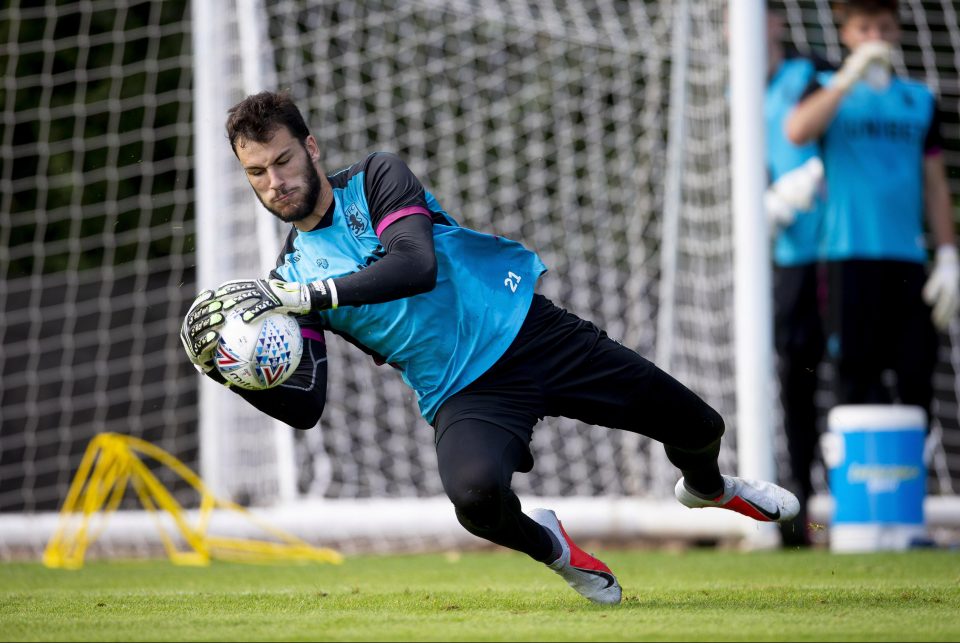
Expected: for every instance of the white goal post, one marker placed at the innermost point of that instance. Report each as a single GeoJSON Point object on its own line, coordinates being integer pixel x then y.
{"type": "Point", "coordinates": [607, 135]}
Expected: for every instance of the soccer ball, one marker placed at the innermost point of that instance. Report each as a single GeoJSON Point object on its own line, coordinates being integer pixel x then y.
{"type": "Point", "coordinates": [261, 354]}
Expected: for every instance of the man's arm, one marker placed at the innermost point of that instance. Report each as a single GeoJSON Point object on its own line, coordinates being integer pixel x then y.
{"type": "Point", "coordinates": [942, 289]}
{"type": "Point", "coordinates": [937, 200]}
{"type": "Point", "coordinates": [408, 268]}
{"type": "Point", "coordinates": [300, 400]}
{"type": "Point", "coordinates": [794, 192]}
{"type": "Point", "coordinates": [400, 217]}
{"type": "Point", "coordinates": [812, 116]}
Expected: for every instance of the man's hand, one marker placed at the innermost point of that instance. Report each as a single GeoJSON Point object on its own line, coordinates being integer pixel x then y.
{"type": "Point", "coordinates": [264, 295]}
{"type": "Point", "coordinates": [942, 290]}
{"type": "Point", "coordinates": [856, 65]}
{"type": "Point", "coordinates": [198, 333]}
{"type": "Point", "coordinates": [779, 212]}
{"type": "Point", "coordinates": [794, 192]}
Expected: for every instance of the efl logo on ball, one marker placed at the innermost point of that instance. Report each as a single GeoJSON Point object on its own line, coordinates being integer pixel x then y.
{"type": "Point", "coordinates": [260, 354]}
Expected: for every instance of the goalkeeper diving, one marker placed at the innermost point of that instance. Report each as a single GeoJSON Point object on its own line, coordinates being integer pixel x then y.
{"type": "Point", "coordinates": [373, 257]}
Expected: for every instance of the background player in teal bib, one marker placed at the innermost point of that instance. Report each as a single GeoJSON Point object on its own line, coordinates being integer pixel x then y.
{"type": "Point", "coordinates": [374, 258]}
{"type": "Point", "coordinates": [791, 201]}
{"type": "Point", "coordinates": [881, 147]}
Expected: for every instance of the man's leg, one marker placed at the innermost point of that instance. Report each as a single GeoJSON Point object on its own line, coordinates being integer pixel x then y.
{"type": "Point", "coordinates": [477, 459]}
{"type": "Point", "coordinates": [585, 375]}
{"type": "Point", "coordinates": [570, 368]}
{"type": "Point", "coordinates": [855, 318]}
{"type": "Point", "coordinates": [799, 338]}
{"type": "Point", "coordinates": [914, 338]}
{"type": "Point", "coordinates": [591, 378]}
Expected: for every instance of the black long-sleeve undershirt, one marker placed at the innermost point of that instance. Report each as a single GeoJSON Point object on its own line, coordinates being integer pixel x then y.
{"type": "Point", "coordinates": [408, 268]}
{"type": "Point", "coordinates": [299, 401]}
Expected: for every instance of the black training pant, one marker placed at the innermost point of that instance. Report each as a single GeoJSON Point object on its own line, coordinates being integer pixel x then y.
{"type": "Point", "coordinates": [878, 321]}
{"type": "Point", "coordinates": [560, 365]}
{"type": "Point", "coordinates": [799, 339]}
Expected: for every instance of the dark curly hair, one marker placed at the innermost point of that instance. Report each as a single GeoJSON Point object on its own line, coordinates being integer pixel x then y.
{"type": "Point", "coordinates": [846, 8]}
{"type": "Point", "coordinates": [257, 117]}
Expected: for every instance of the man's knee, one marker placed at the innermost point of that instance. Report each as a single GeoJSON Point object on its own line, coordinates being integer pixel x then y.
{"type": "Point", "coordinates": [475, 491]}
{"type": "Point", "coordinates": [709, 432]}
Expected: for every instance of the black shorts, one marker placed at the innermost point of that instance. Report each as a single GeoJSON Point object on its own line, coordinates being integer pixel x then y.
{"type": "Point", "coordinates": [560, 365]}
{"type": "Point", "coordinates": [877, 320]}
{"type": "Point", "coordinates": [798, 308]}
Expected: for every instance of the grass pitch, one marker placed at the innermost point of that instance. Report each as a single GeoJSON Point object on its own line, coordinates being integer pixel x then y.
{"type": "Point", "coordinates": [696, 595]}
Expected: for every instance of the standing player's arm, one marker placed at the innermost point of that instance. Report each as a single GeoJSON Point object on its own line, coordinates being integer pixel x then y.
{"type": "Point", "coordinates": [811, 117]}
{"type": "Point", "coordinates": [942, 288]}
{"type": "Point", "coordinates": [937, 200]}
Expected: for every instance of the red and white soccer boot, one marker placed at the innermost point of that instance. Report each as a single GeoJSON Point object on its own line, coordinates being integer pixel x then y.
{"type": "Point", "coordinates": [584, 573]}
{"type": "Point", "coordinates": [762, 501]}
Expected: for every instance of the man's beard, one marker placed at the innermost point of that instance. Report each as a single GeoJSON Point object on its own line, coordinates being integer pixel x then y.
{"type": "Point", "coordinates": [309, 202]}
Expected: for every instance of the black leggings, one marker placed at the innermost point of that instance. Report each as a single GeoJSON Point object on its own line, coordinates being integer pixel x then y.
{"type": "Point", "coordinates": [561, 365]}
{"type": "Point", "coordinates": [477, 461]}
{"type": "Point", "coordinates": [799, 335]}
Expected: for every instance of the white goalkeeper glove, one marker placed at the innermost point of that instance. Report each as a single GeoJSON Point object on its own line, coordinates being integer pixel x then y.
{"type": "Point", "coordinates": [198, 333]}
{"type": "Point", "coordinates": [874, 55]}
{"type": "Point", "coordinates": [287, 297]}
{"type": "Point", "coordinates": [778, 211]}
{"type": "Point", "coordinates": [942, 290]}
{"type": "Point", "coordinates": [793, 192]}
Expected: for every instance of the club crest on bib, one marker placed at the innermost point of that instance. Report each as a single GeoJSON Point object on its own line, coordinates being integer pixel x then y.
{"type": "Point", "coordinates": [356, 221]}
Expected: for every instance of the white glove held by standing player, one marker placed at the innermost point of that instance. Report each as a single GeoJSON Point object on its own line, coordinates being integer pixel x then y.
{"type": "Point", "coordinates": [874, 52]}
{"type": "Point", "coordinates": [793, 192]}
{"type": "Point", "coordinates": [778, 211]}
{"type": "Point", "coordinates": [942, 290]}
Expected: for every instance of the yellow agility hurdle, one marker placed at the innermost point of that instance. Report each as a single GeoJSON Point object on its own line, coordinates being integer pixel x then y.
{"type": "Point", "coordinates": [111, 463]}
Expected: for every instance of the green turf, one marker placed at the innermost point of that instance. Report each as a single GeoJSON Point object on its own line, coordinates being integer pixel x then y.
{"type": "Point", "coordinates": [700, 594]}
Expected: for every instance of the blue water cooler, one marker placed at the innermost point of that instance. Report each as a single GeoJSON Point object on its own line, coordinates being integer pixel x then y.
{"type": "Point", "coordinates": [874, 459]}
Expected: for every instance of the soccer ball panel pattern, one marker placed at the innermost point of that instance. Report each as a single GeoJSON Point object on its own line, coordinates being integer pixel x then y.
{"type": "Point", "coordinates": [260, 354]}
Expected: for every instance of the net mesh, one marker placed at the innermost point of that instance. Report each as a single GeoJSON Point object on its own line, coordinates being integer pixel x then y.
{"type": "Point", "coordinates": [96, 230]}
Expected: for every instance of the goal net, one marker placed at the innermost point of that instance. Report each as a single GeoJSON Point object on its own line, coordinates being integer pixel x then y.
{"type": "Point", "coordinates": [583, 129]}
